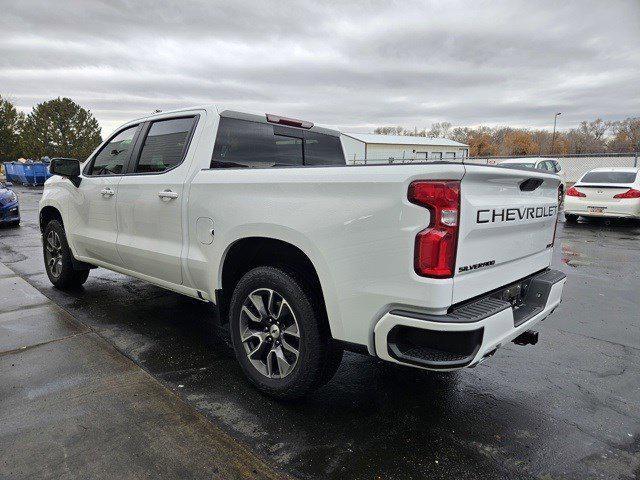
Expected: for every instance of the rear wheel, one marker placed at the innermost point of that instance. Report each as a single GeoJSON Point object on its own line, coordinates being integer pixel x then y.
{"type": "Point", "coordinates": [278, 334]}
{"type": "Point", "coordinates": [570, 218]}
{"type": "Point", "coordinates": [58, 259]}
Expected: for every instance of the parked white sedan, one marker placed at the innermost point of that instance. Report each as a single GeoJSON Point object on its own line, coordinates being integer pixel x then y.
{"type": "Point", "coordinates": [545, 164]}
{"type": "Point", "coordinates": [604, 192]}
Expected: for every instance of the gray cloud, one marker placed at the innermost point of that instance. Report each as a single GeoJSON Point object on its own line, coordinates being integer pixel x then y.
{"type": "Point", "coordinates": [353, 65]}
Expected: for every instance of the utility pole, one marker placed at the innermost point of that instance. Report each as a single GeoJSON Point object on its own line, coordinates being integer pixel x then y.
{"type": "Point", "coordinates": [553, 137]}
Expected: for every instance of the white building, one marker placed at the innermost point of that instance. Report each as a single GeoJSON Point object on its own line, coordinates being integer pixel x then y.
{"type": "Point", "coordinates": [372, 147]}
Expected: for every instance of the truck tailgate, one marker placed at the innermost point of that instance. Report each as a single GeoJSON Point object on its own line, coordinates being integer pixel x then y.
{"type": "Point", "coordinates": [507, 224]}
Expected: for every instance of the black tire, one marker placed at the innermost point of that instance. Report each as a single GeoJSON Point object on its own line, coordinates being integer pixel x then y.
{"type": "Point", "coordinates": [317, 358]}
{"type": "Point", "coordinates": [58, 259]}
{"type": "Point", "coordinates": [570, 218]}
{"type": "Point", "coordinates": [14, 224]}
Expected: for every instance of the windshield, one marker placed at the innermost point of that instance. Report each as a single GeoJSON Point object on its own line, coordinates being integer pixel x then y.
{"type": "Point", "coordinates": [609, 177]}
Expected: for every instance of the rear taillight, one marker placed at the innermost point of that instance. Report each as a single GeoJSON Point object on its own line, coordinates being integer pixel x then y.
{"type": "Point", "coordinates": [435, 248]}
{"type": "Point", "coordinates": [631, 193]}
{"type": "Point", "coordinates": [573, 192]}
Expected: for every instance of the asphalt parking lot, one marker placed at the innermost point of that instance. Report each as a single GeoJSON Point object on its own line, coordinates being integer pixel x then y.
{"type": "Point", "coordinates": [568, 407]}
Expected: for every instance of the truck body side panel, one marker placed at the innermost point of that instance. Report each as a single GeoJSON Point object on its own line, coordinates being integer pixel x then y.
{"type": "Point", "coordinates": [355, 225]}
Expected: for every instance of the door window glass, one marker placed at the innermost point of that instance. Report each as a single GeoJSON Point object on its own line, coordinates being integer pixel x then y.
{"type": "Point", "coordinates": [165, 145]}
{"type": "Point", "coordinates": [113, 157]}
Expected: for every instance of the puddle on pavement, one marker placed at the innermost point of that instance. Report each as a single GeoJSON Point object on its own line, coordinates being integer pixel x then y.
{"type": "Point", "coordinates": [572, 257]}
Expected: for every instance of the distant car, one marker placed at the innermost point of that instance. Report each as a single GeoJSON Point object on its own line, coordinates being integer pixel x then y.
{"type": "Point", "coordinates": [9, 209]}
{"type": "Point", "coordinates": [539, 163]}
{"type": "Point", "coordinates": [605, 192]}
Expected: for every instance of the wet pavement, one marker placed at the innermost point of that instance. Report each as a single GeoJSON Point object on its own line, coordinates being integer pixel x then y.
{"type": "Point", "coordinates": [567, 408]}
{"type": "Point", "coordinates": [74, 407]}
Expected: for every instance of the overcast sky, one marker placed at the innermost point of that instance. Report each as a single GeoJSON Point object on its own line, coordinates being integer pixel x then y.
{"type": "Point", "coordinates": [349, 64]}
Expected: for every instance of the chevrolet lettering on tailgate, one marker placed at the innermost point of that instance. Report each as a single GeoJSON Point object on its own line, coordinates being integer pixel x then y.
{"type": "Point", "coordinates": [515, 213]}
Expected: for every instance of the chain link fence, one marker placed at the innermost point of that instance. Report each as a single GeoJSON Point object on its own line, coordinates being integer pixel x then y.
{"type": "Point", "coordinates": [573, 166]}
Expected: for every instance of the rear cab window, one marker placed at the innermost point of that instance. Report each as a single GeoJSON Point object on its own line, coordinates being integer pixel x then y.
{"type": "Point", "coordinates": [243, 143]}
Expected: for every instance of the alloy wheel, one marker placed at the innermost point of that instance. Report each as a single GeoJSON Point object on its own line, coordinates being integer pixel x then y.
{"type": "Point", "coordinates": [53, 253]}
{"type": "Point", "coordinates": [269, 333]}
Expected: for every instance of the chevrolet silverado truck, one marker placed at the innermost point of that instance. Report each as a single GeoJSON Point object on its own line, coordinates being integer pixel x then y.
{"type": "Point", "coordinates": [431, 265]}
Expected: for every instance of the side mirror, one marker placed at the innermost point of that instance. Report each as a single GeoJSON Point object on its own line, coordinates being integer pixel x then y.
{"type": "Point", "coordinates": [66, 167]}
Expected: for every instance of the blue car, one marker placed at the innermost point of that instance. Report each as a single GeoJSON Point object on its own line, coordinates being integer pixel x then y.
{"type": "Point", "coordinates": [9, 209]}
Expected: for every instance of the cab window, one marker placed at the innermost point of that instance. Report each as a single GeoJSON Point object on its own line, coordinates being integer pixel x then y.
{"type": "Point", "coordinates": [165, 145]}
{"type": "Point", "coordinates": [248, 144]}
{"type": "Point", "coordinates": [113, 157]}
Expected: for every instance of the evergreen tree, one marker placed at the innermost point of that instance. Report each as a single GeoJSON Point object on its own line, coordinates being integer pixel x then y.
{"type": "Point", "coordinates": [10, 125]}
{"type": "Point", "coordinates": [60, 128]}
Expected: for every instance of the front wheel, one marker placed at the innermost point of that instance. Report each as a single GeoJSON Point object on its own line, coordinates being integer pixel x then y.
{"type": "Point", "coordinates": [58, 259]}
{"type": "Point", "coordinates": [570, 218]}
{"type": "Point", "coordinates": [279, 335]}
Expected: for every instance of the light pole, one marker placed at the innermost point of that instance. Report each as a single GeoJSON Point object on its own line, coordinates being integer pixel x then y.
{"type": "Point", "coordinates": [553, 137]}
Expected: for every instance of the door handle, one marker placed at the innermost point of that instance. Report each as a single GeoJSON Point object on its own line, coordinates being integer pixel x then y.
{"type": "Point", "coordinates": [168, 194]}
{"type": "Point", "coordinates": [107, 192]}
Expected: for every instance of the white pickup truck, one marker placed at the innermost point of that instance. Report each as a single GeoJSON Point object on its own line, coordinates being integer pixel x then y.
{"type": "Point", "coordinates": [433, 265]}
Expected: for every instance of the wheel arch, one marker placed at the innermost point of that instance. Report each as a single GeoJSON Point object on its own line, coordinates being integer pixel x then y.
{"type": "Point", "coordinates": [48, 213]}
{"type": "Point", "coordinates": [247, 253]}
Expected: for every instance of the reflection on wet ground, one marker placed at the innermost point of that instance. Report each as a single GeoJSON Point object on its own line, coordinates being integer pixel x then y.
{"type": "Point", "coordinates": [583, 241]}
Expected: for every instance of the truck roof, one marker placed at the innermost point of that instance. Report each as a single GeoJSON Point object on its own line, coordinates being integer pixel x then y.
{"type": "Point", "coordinates": [251, 117]}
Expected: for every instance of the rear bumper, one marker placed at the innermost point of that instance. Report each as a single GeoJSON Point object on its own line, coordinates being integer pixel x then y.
{"type": "Point", "coordinates": [605, 214]}
{"type": "Point", "coordinates": [471, 332]}
{"type": "Point", "coordinates": [629, 208]}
